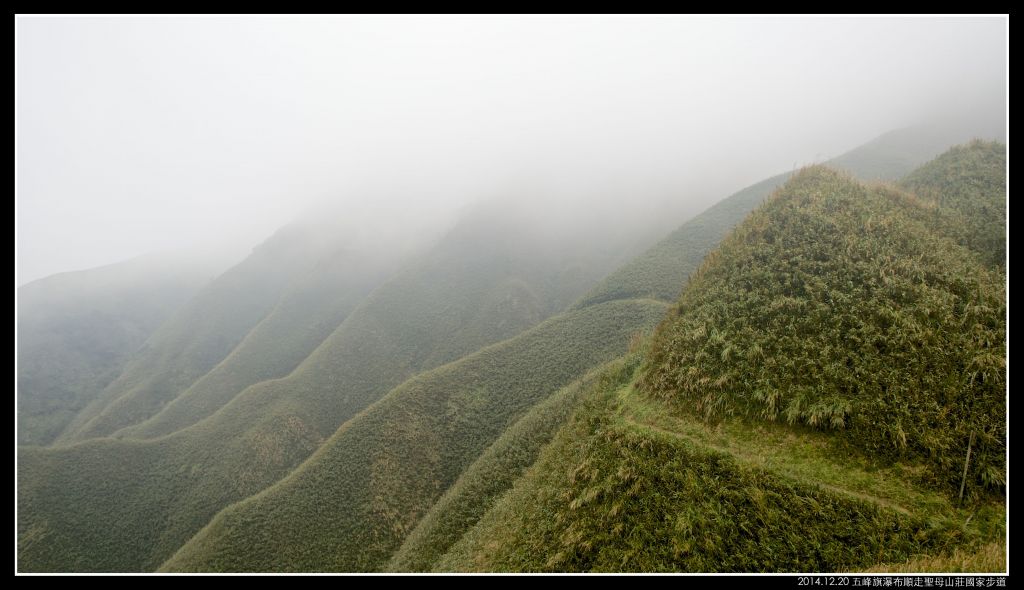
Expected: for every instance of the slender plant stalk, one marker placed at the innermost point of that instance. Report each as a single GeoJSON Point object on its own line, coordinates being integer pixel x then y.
{"type": "Point", "coordinates": [963, 482]}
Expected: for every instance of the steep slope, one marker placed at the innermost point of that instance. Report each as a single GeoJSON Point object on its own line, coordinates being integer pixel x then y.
{"type": "Point", "coordinates": [481, 284]}
{"type": "Point", "coordinates": [306, 315]}
{"type": "Point", "coordinates": [224, 545]}
{"type": "Point", "coordinates": [77, 329]}
{"type": "Point", "coordinates": [660, 272]}
{"type": "Point", "coordinates": [895, 154]}
{"type": "Point", "coordinates": [843, 307]}
{"type": "Point", "coordinates": [970, 180]}
{"type": "Point", "coordinates": [181, 480]}
{"type": "Point", "coordinates": [631, 485]}
{"type": "Point", "coordinates": [197, 337]}
{"type": "Point", "coordinates": [497, 468]}
{"type": "Point", "coordinates": [806, 407]}
{"type": "Point", "coordinates": [382, 470]}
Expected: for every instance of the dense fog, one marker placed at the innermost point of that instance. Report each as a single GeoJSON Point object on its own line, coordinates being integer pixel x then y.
{"type": "Point", "coordinates": [144, 134]}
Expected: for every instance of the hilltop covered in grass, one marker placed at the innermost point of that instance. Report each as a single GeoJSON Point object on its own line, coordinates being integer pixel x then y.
{"type": "Point", "coordinates": [848, 308]}
{"type": "Point", "coordinates": [226, 544]}
{"type": "Point", "coordinates": [661, 271]}
{"type": "Point", "coordinates": [378, 490]}
{"type": "Point", "coordinates": [807, 406]}
{"type": "Point", "coordinates": [971, 181]}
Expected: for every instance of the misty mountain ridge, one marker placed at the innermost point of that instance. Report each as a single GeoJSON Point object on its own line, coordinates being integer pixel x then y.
{"type": "Point", "coordinates": [748, 435]}
{"type": "Point", "coordinates": [425, 379]}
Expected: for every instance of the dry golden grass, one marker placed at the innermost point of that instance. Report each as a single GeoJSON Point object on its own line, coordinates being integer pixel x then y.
{"type": "Point", "coordinates": [990, 558]}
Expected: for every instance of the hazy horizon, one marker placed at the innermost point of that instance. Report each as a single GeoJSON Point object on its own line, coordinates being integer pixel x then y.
{"type": "Point", "coordinates": [145, 134]}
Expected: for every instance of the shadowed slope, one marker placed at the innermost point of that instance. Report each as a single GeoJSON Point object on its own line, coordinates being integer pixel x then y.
{"type": "Point", "coordinates": [271, 427]}
{"type": "Point", "coordinates": [313, 308]}
{"type": "Point", "coordinates": [76, 330]}
{"type": "Point", "coordinates": [807, 406]}
{"type": "Point", "coordinates": [480, 284]}
{"type": "Point", "coordinates": [351, 504]}
{"type": "Point", "coordinates": [197, 337]}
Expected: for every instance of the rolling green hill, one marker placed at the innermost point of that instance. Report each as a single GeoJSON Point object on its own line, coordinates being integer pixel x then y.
{"type": "Point", "coordinates": [197, 337]}
{"type": "Point", "coordinates": [225, 545]}
{"type": "Point", "coordinates": [631, 484]}
{"type": "Point", "coordinates": [807, 406]}
{"type": "Point", "coordinates": [76, 330]}
{"type": "Point", "coordinates": [350, 505]}
{"type": "Point", "coordinates": [839, 306]}
{"type": "Point", "coordinates": [661, 272]}
{"type": "Point", "coordinates": [497, 468]}
{"type": "Point", "coordinates": [970, 180]}
{"type": "Point", "coordinates": [436, 421]}
{"type": "Point", "coordinates": [314, 306]}
{"type": "Point", "coordinates": [479, 285]}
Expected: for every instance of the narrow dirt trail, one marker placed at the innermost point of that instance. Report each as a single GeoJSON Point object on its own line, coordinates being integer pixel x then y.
{"type": "Point", "coordinates": [756, 461]}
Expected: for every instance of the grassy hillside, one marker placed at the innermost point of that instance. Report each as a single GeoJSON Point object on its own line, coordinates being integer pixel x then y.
{"type": "Point", "coordinates": [631, 484]}
{"type": "Point", "coordinates": [806, 407]}
{"type": "Point", "coordinates": [306, 315]}
{"type": "Point", "coordinates": [970, 180]}
{"type": "Point", "coordinates": [76, 330]}
{"type": "Point", "coordinates": [661, 271]}
{"type": "Point", "coordinates": [382, 470]}
{"type": "Point", "coordinates": [482, 283]}
{"type": "Point", "coordinates": [479, 285]}
{"type": "Point", "coordinates": [848, 308]}
{"type": "Point", "coordinates": [496, 470]}
{"type": "Point", "coordinates": [366, 543]}
{"type": "Point", "coordinates": [197, 337]}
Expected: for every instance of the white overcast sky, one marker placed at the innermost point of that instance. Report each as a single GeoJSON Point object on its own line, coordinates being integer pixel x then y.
{"type": "Point", "coordinates": [136, 135]}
